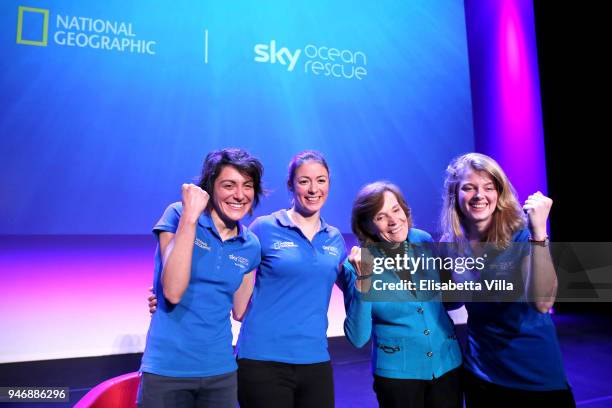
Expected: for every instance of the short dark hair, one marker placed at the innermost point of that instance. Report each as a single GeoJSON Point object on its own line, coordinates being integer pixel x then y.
{"type": "Point", "coordinates": [368, 202]}
{"type": "Point", "coordinates": [241, 160]}
{"type": "Point", "coordinates": [301, 158]}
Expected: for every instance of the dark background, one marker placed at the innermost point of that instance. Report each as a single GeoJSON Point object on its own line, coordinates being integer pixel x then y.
{"type": "Point", "coordinates": [572, 41]}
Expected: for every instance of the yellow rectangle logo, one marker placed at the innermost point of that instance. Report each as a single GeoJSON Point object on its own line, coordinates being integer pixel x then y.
{"type": "Point", "coordinates": [20, 13]}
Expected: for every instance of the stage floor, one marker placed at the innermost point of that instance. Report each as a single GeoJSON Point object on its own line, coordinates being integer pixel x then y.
{"type": "Point", "coordinates": [586, 343]}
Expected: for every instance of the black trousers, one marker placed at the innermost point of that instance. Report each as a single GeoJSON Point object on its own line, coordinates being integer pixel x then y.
{"type": "Point", "coordinates": [483, 394]}
{"type": "Point", "coordinates": [441, 392]}
{"type": "Point", "coordinates": [269, 384]}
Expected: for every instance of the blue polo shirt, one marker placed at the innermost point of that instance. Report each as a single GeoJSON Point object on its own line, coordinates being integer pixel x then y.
{"type": "Point", "coordinates": [411, 339]}
{"type": "Point", "coordinates": [194, 337]}
{"type": "Point", "coordinates": [512, 344]}
{"type": "Point", "coordinates": [287, 319]}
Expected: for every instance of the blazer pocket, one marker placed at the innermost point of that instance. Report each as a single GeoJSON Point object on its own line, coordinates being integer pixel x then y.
{"type": "Point", "coordinates": [389, 353]}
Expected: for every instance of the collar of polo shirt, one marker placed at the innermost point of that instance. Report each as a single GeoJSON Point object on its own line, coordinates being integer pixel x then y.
{"type": "Point", "coordinates": [283, 219]}
{"type": "Point", "coordinates": [206, 221]}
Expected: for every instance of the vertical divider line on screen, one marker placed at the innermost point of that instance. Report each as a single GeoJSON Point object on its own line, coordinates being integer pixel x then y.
{"type": "Point", "coordinates": [206, 46]}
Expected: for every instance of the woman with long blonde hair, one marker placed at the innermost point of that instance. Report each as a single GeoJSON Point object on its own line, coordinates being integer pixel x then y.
{"type": "Point", "coordinates": [512, 354]}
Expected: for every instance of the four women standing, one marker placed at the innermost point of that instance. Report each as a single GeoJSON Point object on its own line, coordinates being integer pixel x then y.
{"type": "Point", "coordinates": [287, 365]}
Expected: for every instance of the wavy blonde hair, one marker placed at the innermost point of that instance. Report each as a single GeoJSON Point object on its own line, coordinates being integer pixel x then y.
{"type": "Point", "coordinates": [508, 215]}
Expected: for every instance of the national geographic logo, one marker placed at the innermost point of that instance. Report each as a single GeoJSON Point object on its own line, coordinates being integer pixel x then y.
{"type": "Point", "coordinates": [78, 31]}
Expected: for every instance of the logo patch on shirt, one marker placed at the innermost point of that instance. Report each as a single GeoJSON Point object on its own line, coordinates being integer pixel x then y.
{"type": "Point", "coordinates": [331, 250]}
{"type": "Point", "coordinates": [284, 244]}
{"type": "Point", "coordinates": [239, 261]}
{"type": "Point", "coordinates": [201, 244]}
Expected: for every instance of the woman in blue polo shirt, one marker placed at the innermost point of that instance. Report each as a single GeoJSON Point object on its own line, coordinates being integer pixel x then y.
{"type": "Point", "coordinates": [512, 356]}
{"type": "Point", "coordinates": [415, 353]}
{"type": "Point", "coordinates": [282, 349]}
{"type": "Point", "coordinates": [204, 256]}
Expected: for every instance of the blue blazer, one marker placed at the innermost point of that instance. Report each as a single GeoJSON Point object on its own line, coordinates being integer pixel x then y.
{"type": "Point", "coordinates": [411, 339]}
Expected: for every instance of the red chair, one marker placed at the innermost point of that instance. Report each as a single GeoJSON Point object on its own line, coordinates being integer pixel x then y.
{"type": "Point", "coordinates": [118, 392]}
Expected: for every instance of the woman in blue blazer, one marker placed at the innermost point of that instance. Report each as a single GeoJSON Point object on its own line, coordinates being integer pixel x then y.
{"type": "Point", "coordinates": [415, 353]}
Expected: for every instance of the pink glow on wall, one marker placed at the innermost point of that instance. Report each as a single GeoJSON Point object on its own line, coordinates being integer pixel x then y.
{"type": "Point", "coordinates": [77, 296]}
{"type": "Point", "coordinates": [73, 296]}
{"type": "Point", "coordinates": [505, 89]}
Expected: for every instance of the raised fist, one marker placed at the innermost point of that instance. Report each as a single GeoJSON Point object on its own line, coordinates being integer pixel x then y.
{"type": "Point", "coordinates": [537, 207]}
{"type": "Point", "coordinates": [194, 201]}
{"type": "Point", "coordinates": [355, 259]}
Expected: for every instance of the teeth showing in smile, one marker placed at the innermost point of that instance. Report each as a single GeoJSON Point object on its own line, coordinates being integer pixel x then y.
{"type": "Point", "coordinates": [235, 206]}
{"type": "Point", "coordinates": [396, 230]}
{"type": "Point", "coordinates": [312, 199]}
{"type": "Point", "coordinates": [478, 205]}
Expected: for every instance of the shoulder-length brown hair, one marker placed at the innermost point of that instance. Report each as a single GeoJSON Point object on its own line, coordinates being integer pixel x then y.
{"type": "Point", "coordinates": [508, 215]}
{"type": "Point", "coordinates": [367, 204]}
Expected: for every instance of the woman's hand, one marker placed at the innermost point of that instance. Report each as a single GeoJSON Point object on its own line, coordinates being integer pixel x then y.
{"type": "Point", "coordinates": [152, 301]}
{"type": "Point", "coordinates": [363, 269]}
{"type": "Point", "coordinates": [537, 206]}
{"type": "Point", "coordinates": [194, 201]}
{"type": "Point", "coordinates": [355, 259]}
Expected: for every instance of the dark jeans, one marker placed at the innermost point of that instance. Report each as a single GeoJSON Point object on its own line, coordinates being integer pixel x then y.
{"type": "Point", "coordinates": [480, 393]}
{"type": "Point", "coordinates": [269, 384]}
{"type": "Point", "coordinates": [158, 391]}
{"type": "Point", "coordinates": [441, 392]}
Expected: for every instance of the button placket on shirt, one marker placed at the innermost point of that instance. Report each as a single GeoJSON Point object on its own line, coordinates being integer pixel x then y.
{"type": "Point", "coordinates": [220, 255]}
{"type": "Point", "coordinates": [311, 245]}
{"type": "Point", "coordinates": [426, 332]}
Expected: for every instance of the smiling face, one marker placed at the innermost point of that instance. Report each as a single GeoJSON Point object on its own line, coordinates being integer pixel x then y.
{"type": "Point", "coordinates": [390, 223]}
{"type": "Point", "coordinates": [233, 194]}
{"type": "Point", "coordinates": [310, 187]}
{"type": "Point", "coordinates": [477, 198]}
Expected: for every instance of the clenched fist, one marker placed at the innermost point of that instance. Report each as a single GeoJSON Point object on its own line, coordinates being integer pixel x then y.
{"type": "Point", "coordinates": [194, 201]}
{"type": "Point", "coordinates": [537, 207]}
{"type": "Point", "coordinates": [363, 267]}
{"type": "Point", "coordinates": [355, 259]}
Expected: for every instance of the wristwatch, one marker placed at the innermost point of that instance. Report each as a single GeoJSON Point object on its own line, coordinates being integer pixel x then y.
{"type": "Point", "coordinates": [543, 243]}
